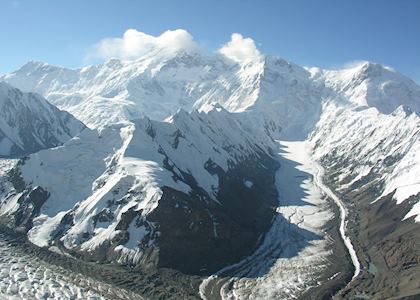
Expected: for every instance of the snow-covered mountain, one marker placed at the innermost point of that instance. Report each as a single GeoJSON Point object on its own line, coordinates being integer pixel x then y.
{"type": "Point", "coordinates": [157, 87]}
{"type": "Point", "coordinates": [121, 192]}
{"type": "Point", "coordinates": [29, 123]}
{"type": "Point", "coordinates": [370, 127]}
{"type": "Point", "coordinates": [178, 160]}
{"type": "Point", "coordinates": [274, 94]}
{"type": "Point", "coordinates": [372, 85]}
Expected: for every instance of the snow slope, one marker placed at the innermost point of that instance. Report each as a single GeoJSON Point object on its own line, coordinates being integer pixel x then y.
{"type": "Point", "coordinates": [29, 123]}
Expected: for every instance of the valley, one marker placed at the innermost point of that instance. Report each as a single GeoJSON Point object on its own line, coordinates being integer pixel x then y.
{"type": "Point", "coordinates": [300, 252]}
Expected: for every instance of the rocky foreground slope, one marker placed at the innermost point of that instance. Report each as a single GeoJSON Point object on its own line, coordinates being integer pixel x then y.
{"type": "Point", "coordinates": [148, 186]}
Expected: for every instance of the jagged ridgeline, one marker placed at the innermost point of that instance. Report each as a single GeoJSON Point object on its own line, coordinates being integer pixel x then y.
{"type": "Point", "coordinates": [29, 123]}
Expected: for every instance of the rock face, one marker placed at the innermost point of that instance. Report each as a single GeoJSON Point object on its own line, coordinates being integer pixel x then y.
{"type": "Point", "coordinates": [213, 236]}
{"type": "Point", "coordinates": [28, 123]}
{"type": "Point", "coordinates": [177, 169]}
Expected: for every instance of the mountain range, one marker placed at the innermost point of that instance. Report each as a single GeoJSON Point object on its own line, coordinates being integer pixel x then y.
{"type": "Point", "coordinates": [173, 163]}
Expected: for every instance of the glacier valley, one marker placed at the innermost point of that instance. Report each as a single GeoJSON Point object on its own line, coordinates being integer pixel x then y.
{"type": "Point", "coordinates": [183, 174]}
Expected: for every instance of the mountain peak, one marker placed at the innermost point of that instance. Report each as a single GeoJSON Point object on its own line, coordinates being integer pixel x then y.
{"type": "Point", "coordinates": [370, 70]}
{"type": "Point", "coordinates": [369, 84]}
{"type": "Point", "coordinates": [34, 65]}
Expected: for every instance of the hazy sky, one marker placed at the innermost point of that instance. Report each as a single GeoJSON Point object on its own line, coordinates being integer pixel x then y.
{"type": "Point", "coordinates": [321, 33]}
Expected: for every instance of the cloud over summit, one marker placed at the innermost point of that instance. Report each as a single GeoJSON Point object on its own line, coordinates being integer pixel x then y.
{"type": "Point", "coordinates": [134, 44]}
{"type": "Point", "coordinates": [240, 49]}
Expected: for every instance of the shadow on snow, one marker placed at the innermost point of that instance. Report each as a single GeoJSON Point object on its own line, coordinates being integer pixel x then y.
{"type": "Point", "coordinates": [284, 239]}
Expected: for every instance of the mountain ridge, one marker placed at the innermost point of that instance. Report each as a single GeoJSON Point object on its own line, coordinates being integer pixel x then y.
{"type": "Point", "coordinates": [28, 123]}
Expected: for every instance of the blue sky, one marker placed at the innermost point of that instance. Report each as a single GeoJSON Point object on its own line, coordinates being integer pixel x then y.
{"type": "Point", "coordinates": [325, 33]}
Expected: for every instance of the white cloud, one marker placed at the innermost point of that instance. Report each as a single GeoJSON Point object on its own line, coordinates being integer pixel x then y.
{"type": "Point", "coordinates": [240, 49]}
{"type": "Point", "coordinates": [135, 44]}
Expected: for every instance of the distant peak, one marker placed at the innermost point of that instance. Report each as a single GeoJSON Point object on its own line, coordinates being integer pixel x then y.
{"type": "Point", "coordinates": [278, 62]}
{"type": "Point", "coordinates": [275, 60]}
{"type": "Point", "coordinates": [33, 64]}
{"type": "Point", "coordinates": [369, 69]}
{"type": "Point", "coordinates": [274, 64]}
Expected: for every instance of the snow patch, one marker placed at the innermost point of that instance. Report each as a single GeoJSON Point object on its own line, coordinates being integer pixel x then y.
{"type": "Point", "coordinates": [249, 184]}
